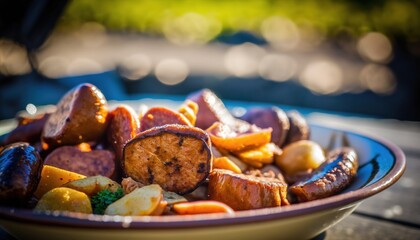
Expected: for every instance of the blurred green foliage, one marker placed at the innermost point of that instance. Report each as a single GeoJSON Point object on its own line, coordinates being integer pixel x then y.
{"type": "Point", "coordinates": [392, 17]}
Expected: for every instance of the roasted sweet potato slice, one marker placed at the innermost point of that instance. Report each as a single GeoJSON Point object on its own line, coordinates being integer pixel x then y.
{"type": "Point", "coordinates": [159, 116]}
{"type": "Point", "coordinates": [176, 157]}
{"type": "Point", "coordinates": [80, 117]}
{"type": "Point", "coordinates": [239, 137]}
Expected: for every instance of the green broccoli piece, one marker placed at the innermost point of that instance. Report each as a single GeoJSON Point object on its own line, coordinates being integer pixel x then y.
{"type": "Point", "coordinates": [104, 198]}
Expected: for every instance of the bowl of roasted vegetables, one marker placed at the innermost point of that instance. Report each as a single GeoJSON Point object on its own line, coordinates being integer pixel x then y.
{"type": "Point", "coordinates": [90, 169]}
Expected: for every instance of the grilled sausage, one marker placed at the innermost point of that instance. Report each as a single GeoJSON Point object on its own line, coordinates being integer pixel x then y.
{"type": "Point", "coordinates": [244, 192]}
{"type": "Point", "coordinates": [123, 126]}
{"type": "Point", "coordinates": [176, 157]}
{"type": "Point", "coordinates": [274, 118]}
{"type": "Point", "coordinates": [91, 163]}
{"type": "Point", "coordinates": [159, 116]}
{"type": "Point", "coordinates": [210, 109]}
{"type": "Point", "coordinates": [331, 177]}
{"type": "Point", "coordinates": [80, 117]}
{"type": "Point", "coordinates": [20, 171]}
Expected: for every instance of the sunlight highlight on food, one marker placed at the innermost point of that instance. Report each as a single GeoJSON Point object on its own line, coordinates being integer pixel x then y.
{"type": "Point", "coordinates": [191, 28]}
{"type": "Point", "coordinates": [135, 67]}
{"type": "Point", "coordinates": [13, 58]}
{"type": "Point", "coordinates": [280, 32]}
{"type": "Point", "coordinates": [324, 77]}
{"type": "Point", "coordinates": [378, 78]}
{"type": "Point", "coordinates": [243, 60]}
{"type": "Point", "coordinates": [375, 47]}
{"type": "Point", "coordinates": [53, 66]}
{"type": "Point", "coordinates": [84, 66]}
{"type": "Point", "coordinates": [171, 71]}
{"type": "Point", "coordinates": [277, 67]}
{"type": "Point", "coordinates": [31, 109]}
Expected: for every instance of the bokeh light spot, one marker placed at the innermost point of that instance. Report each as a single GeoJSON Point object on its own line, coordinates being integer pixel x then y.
{"type": "Point", "coordinates": [378, 78]}
{"type": "Point", "coordinates": [243, 60]}
{"type": "Point", "coordinates": [324, 77]}
{"type": "Point", "coordinates": [13, 58]}
{"type": "Point", "coordinates": [81, 66]}
{"type": "Point", "coordinates": [277, 67]}
{"type": "Point", "coordinates": [53, 66]}
{"type": "Point", "coordinates": [135, 67]}
{"type": "Point", "coordinates": [375, 47]}
{"type": "Point", "coordinates": [171, 71]}
{"type": "Point", "coordinates": [280, 32]}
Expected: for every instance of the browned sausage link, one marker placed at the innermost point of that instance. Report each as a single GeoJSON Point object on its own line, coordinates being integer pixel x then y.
{"type": "Point", "coordinates": [159, 116]}
{"type": "Point", "coordinates": [30, 131]}
{"type": "Point", "coordinates": [123, 126]}
{"type": "Point", "coordinates": [243, 192]}
{"type": "Point", "coordinates": [96, 162]}
{"type": "Point", "coordinates": [176, 157]}
{"type": "Point", "coordinates": [20, 171]}
{"type": "Point", "coordinates": [330, 178]}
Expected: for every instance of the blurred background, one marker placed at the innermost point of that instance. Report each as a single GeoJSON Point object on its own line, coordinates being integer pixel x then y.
{"type": "Point", "coordinates": [352, 57]}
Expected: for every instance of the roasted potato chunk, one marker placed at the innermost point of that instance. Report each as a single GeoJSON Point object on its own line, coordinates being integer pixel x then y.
{"type": "Point", "coordinates": [140, 202]}
{"type": "Point", "coordinates": [92, 185]}
{"type": "Point", "coordinates": [64, 199]}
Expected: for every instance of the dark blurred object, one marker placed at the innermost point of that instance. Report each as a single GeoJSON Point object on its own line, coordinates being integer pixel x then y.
{"type": "Point", "coordinates": [29, 22]}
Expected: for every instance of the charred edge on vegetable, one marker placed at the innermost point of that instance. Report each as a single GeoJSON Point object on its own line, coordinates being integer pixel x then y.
{"type": "Point", "coordinates": [177, 168]}
{"type": "Point", "coordinates": [203, 147]}
{"type": "Point", "coordinates": [167, 163]}
{"type": "Point", "coordinates": [151, 177]}
{"type": "Point", "coordinates": [181, 140]}
{"type": "Point", "coordinates": [201, 168]}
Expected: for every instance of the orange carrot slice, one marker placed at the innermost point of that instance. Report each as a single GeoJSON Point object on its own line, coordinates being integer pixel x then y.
{"type": "Point", "coordinates": [200, 207]}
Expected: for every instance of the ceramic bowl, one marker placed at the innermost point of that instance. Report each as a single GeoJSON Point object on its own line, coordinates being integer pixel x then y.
{"type": "Point", "coordinates": [381, 165]}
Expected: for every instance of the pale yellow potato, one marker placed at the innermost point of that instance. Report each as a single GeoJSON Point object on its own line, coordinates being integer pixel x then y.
{"type": "Point", "coordinates": [64, 199]}
{"type": "Point", "coordinates": [94, 184]}
{"type": "Point", "coordinates": [300, 156]}
{"type": "Point", "coordinates": [140, 202]}
{"type": "Point", "coordinates": [52, 177]}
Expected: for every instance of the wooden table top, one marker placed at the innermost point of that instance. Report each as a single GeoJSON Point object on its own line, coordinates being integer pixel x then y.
{"type": "Point", "coordinates": [391, 214]}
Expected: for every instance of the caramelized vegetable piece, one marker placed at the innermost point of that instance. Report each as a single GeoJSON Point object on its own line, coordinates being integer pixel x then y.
{"type": "Point", "coordinates": [300, 156]}
{"type": "Point", "coordinates": [176, 157]}
{"type": "Point", "coordinates": [210, 109]}
{"type": "Point", "coordinates": [20, 170]}
{"type": "Point", "coordinates": [92, 185]}
{"type": "Point", "coordinates": [263, 154]}
{"type": "Point", "coordinates": [243, 192]}
{"type": "Point", "coordinates": [123, 126]}
{"type": "Point", "coordinates": [64, 199]}
{"type": "Point", "coordinates": [330, 178]}
{"type": "Point", "coordinates": [189, 109]}
{"type": "Point", "coordinates": [274, 118]}
{"type": "Point", "coordinates": [52, 177]}
{"type": "Point", "coordinates": [95, 162]}
{"type": "Point", "coordinates": [299, 128]}
{"type": "Point", "coordinates": [140, 202]}
{"type": "Point", "coordinates": [80, 117]}
{"type": "Point", "coordinates": [225, 163]}
{"type": "Point", "coordinates": [201, 207]}
{"type": "Point", "coordinates": [238, 138]}
{"type": "Point", "coordinates": [159, 116]}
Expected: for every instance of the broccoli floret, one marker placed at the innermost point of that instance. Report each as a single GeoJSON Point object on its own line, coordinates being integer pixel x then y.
{"type": "Point", "coordinates": [104, 198]}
